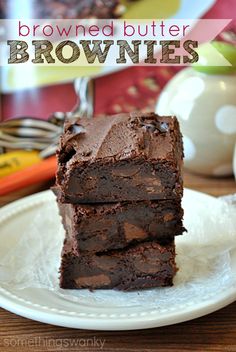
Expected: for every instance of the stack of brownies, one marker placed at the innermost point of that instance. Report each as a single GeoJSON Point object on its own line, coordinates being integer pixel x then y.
{"type": "Point", "coordinates": [119, 190]}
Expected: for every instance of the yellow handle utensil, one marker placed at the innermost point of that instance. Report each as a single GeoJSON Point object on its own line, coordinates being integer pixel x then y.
{"type": "Point", "coordinates": [13, 161]}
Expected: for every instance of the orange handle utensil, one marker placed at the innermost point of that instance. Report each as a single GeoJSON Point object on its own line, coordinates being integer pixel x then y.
{"type": "Point", "coordinates": [42, 171]}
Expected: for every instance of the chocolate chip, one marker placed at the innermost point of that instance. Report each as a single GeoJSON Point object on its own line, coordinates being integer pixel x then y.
{"type": "Point", "coordinates": [154, 126]}
{"type": "Point", "coordinates": [149, 126]}
{"type": "Point", "coordinates": [163, 127]}
{"type": "Point", "coordinates": [76, 129]}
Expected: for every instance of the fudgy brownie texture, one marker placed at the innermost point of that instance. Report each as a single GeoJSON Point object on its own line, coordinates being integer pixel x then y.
{"type": "Point", "coordinates": [65, 9]}
{"type": "Point", "coordinates": [101, 227]}
{"type": "Point", "coordinates": [141, 266]}
{"type": "Point", "coordinates": [126, 157]}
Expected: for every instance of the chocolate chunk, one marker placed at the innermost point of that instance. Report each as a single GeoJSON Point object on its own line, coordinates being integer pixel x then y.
{"type": "Point", "coordinates": [144, 265]}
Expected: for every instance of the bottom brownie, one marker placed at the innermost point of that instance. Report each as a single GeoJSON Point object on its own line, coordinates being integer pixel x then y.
{"type": "Point", "coordinates": [143, 265]}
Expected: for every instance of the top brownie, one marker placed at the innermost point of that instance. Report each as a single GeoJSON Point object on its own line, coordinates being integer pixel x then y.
{"type": "Point", "coordinates": [125, 157]}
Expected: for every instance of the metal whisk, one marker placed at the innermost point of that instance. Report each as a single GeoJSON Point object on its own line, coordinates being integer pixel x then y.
{"type": "Point", "coordinates": [35, 134]}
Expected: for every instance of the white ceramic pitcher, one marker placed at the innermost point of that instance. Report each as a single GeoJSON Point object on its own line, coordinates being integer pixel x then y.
{"type": "Point", "coordinates": [205, 105]}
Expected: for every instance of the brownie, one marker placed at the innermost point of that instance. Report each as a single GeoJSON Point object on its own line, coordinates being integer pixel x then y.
{"type": "Point", "coordinates": [101, 227]}
{"type": "Point", "coordinates": [125, 157]}
{"type": "Point", "coordinates": [144, 265]}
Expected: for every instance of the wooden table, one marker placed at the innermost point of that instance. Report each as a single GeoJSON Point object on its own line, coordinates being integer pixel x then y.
{"type": "Point", "coordinates": [215, 332]}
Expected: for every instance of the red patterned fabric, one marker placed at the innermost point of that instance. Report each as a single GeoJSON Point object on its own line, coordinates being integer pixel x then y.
{"type": "Point", "coordinates": [222, 9]}
{"type": "Point", "coordinates": [140, 87]}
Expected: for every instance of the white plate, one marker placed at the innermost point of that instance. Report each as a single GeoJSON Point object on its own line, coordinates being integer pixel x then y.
{"type": "Point", "coordinates": [46, 306]}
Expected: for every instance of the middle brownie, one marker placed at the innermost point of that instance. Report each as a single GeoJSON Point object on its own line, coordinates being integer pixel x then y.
{"type": "Point", "coordinates": [101, 227]}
